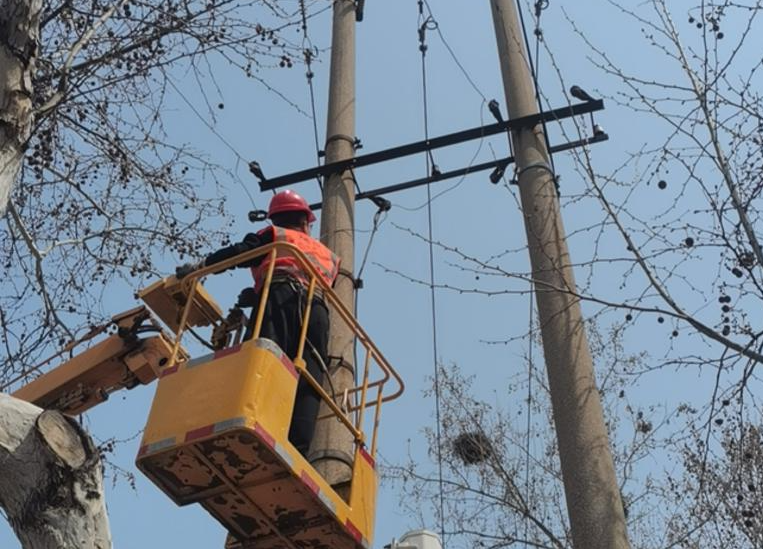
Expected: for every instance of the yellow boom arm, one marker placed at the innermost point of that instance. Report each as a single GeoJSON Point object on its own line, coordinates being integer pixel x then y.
{"type": "Point", "coordinates": [121, 361]}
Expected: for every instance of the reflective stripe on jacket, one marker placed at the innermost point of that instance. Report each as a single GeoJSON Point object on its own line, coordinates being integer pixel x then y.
{"type": "Point", "coordinates": [323, 259]}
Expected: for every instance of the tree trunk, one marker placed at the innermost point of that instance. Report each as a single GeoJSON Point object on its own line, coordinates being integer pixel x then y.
{"type": "Point", "coordinates": [19, 33]}
{"type": "Point", "coordinates": [51, 479]}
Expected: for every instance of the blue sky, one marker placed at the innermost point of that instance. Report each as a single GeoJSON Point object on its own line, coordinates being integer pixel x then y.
{"type": "Point", "coordinates": [473, 215]}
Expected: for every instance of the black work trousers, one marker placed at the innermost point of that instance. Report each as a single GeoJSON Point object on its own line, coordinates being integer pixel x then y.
{"type": "Point", "coordinates": [281, 323]}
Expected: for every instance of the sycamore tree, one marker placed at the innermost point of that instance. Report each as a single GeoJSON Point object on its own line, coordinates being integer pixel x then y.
{"type": "Point", "coordinates": [94, 185]}
{"type": "Point", "coordinates": [668, 259]}
{"type": "Point", "coordinates": [99, 182]}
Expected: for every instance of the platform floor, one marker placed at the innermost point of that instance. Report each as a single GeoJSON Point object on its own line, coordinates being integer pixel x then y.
{"type": "Point", "coordinates": [244, 480]}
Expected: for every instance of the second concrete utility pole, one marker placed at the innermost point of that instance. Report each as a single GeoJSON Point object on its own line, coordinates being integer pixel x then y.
{"type": "Point", "coordinates": [593, 498]}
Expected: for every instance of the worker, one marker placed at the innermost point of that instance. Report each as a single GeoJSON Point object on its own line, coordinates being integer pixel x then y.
{"type": "Point", "coordinates": [291, 219]}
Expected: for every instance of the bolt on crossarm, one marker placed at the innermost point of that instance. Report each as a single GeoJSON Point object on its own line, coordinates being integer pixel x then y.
{"type": "Point", "coordinates": [594, 503]}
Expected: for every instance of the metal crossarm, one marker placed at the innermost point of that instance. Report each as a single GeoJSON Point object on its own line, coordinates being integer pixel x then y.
{"type": "Point", "coordinates": [476, 168]}
{"type": "Point", "coordinates": [432, 143]}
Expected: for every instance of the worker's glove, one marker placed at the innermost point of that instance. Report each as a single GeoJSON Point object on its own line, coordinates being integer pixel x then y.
{"type": "Point", "coordinates": [185, 269]}
{"type": "Point", "coordinates": [247, 298]}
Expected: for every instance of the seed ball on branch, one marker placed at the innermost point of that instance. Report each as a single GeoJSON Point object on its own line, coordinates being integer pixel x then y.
{"type": "Point", "coordinates": [747, 260]}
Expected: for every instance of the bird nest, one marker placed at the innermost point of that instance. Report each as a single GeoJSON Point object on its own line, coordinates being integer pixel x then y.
{"type": "Point", "coordinates": [473, 447]}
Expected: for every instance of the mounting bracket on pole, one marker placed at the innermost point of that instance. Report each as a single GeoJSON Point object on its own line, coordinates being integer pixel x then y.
{"type": "Point", "coordinates": [445, 141]}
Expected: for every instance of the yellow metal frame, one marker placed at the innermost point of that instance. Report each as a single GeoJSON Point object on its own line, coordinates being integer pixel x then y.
{"type": "Point", "coordinates": [218, 429]}
{"type": "Point", "coordinates": [353, 416]}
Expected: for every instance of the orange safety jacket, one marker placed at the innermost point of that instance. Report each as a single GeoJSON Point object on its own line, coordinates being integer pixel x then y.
{"type": "Point", "coordinates": [323, 259]}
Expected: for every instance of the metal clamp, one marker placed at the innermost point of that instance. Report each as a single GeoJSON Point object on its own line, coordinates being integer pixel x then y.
{"type": "Point", "coordinates": [542, 166]}
{"type": "Point", "coordinates": [340, 137]}
{"type": "Point", "coordinates": [359, 5]}
{"type": "Point", "coordinates": [354, 141]}
{"type": "Point", "coordinates": [338, 362]}
{"type": "Point", "coordinates": [330, 454]}
{"type": "Point", "coordinates": [356, 282]}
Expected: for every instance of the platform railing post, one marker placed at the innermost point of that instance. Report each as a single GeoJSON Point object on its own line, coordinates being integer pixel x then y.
{"type": "Point", "coordinates": [377, 416]}
{"type": "Point", "coordinates": [181, 325]}
{"type": "Point", "coordinates": [305, 323]}
{"type": "Point", "coordinates": [265, 294]}
{"type": "Point", "coordinates": [363, 390]}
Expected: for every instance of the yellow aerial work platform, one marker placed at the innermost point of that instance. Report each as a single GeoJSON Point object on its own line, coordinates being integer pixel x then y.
{"type": "Point", "coordinates": [217, 433]}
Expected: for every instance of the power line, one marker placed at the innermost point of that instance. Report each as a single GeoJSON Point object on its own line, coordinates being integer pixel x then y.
{"type": "Point", "coordinates": [453, 54]}
{"type": "Point", "coordinates": [457, 183]}
{"type": "Point", "coordinates": [379, 218]}
{"type": "Point", "coordinates": [216, 134]}
{"type": "Point", "coordinates": [424, 24]}
{"type": "Point", "coordinates": [540, 6]}
{"type": "Point", "coordinates": [308, 51]}
{"type": "Point", "coordinates": [428, 22]}
{"type": "Point", "coordinates": [530, 367]}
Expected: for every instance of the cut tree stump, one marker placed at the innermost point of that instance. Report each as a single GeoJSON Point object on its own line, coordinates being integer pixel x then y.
{"type": "Point", "coordinates": [51, 479]}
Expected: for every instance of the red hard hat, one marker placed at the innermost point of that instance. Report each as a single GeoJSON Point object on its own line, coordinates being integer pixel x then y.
{"type": "Point", "coordinates": [289, 201]}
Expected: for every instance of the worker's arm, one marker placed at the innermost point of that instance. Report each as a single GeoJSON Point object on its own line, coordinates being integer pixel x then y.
{"type": "Point", "coordinates": [250, 242]}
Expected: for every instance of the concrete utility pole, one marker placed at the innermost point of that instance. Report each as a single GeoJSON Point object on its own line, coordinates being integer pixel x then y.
{"type": "Point", "coordinates": [332, 448]}
{"type": "Point", "coordinates": [593, 499]}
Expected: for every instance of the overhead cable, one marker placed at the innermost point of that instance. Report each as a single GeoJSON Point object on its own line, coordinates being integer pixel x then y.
{"type": "Point", "coordinates": [428, 23]}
